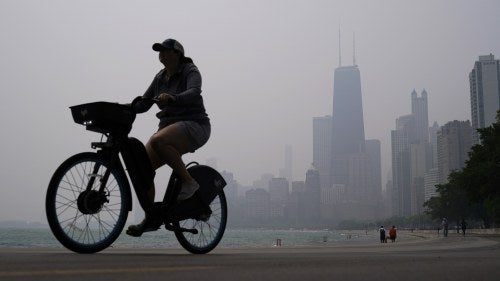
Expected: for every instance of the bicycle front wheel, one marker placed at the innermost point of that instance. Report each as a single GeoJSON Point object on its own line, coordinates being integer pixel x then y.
{"type": "Point", "coordinates": [82, 216]}
{"type": "Point", "coordinates": [210, 231]}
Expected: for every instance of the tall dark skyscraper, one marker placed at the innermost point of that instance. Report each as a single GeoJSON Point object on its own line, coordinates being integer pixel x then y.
{"type": "Point", "coordinates": [348, 135]}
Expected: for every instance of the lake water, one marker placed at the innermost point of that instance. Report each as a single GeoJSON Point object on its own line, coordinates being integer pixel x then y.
{"type": "Point", "coordinates": [233, 238]}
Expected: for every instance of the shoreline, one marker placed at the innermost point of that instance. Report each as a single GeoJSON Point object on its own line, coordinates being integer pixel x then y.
{"type": "Point", "coordinates": [409, 244]}
{"type": "Point", "coordinates": [454, 258]}
{"type": "Point", "coordinates": [358, 239]}
{"type": "Point", "coordinates": [259, 239]}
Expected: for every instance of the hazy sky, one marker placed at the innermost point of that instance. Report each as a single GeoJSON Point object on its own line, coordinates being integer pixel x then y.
{"type": "Point", "coordinates": [267, 69]}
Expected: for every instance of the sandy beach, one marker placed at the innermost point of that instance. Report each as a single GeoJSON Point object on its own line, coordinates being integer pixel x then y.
{"type": "Point", "coordinates": [415, 256]}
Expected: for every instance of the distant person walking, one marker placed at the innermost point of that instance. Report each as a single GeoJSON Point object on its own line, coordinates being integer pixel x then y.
{"type": "Point", "coordinates": [382, 234]}
{"type": "Point", "coordinates": [392, 234]}
{"type": "Point", "coordinates": [463, 225]}
{"type": "Point", "coordinates": [444, 224]}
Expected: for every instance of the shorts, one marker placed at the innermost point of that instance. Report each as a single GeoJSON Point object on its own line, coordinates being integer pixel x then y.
{"type": "Point", "coordinates": [197, 134]}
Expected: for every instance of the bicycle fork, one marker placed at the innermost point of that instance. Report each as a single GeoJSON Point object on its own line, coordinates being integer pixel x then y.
{"type": "Point", "coordinates": [90, 201]}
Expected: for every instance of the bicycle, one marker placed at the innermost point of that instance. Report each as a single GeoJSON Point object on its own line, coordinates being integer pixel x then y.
{"type": "Point", "coordinates": [89, 195]}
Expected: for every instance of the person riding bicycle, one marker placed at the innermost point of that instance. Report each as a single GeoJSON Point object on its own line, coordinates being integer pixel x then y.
{"type": "Point", "coordinates": [184, 124]}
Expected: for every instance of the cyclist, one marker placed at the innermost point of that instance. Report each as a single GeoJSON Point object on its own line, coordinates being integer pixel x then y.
{"type": "Point", "coordinates": [184, 125]}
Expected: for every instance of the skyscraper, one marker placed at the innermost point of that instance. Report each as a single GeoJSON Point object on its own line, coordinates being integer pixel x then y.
{"type": "Point", "coordinates": [454, 143]}
{"type": "Point", "coordinates": [419, 109]}
{"type": "Point", "coordinates": [411, 157]}
{"type": "Point", "coordinates": [373, 150]}
{"type": "Point", "coordinates": [286, 172]}
{"type": "Point", "coordinates": [348, 136]}
{"type": "Point", "coordinates": [433, 140]}
{"type": "Point", "coordinates": [279, 190]}
{"type": "Point", "coordinates": [322, 148]}
{"type": "Point", "coordinates": [484, 93]}
{"type": "Point", "coordinates": [431, 179]}
{"type": "Point", "coordinates": [312, 195]}
{"type": "Point", "coordinates": [401, 181]}
{"type": "Point", "coordinates": [420, 164]}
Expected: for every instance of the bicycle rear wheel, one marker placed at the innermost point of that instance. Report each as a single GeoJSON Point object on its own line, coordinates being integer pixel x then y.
{"type": "Point", "coordinates": [210, 231]}
{"type": "Point", "coordinates": [86, 221]}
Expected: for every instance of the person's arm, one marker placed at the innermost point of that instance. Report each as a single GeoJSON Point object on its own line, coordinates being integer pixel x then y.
{"type": "Point", "coordinates": [141, 106]}
{"type": "Point", "coordinates": [193, 87]}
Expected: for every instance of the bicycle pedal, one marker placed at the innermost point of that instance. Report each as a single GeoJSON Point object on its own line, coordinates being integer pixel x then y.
{"type": "Point", "coordinates": [133, 233]}
{"type": "Point", "coordinates": [178, 228]}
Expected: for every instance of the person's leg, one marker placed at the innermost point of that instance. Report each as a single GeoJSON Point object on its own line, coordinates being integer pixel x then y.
{"type": "Point", "coordinates": [169, 144]}
{"type": "Point", "coordinates": [167, 147]}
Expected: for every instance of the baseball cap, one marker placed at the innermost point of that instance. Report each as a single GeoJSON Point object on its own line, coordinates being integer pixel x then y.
{"type": "Point", "coordinates": [171, 44]}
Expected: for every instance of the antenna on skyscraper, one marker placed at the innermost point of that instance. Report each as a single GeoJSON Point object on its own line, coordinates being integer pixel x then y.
{"type": "Point", "coordinates": [354, 49]}
{"type": "Point", "coordinates": [340, 54]}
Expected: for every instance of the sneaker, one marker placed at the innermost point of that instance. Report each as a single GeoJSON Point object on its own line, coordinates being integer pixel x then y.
{"type": "Point", "coordinates": [187, 190]}
{"type": "Point", "coordinates": [137, 230]}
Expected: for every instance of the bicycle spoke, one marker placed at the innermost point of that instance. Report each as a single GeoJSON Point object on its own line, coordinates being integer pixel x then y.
{"type": "Point", "coordinates": [97, 226]}
{"type": "Point", "coordinates": [209, 232]}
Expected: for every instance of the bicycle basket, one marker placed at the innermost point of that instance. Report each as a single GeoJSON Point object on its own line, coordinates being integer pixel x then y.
{"type": "Point", "coordinates": [104, 117]}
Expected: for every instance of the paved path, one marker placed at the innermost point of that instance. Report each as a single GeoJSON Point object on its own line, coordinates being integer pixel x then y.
{"type": "Point", "coordinates": [453, 258]}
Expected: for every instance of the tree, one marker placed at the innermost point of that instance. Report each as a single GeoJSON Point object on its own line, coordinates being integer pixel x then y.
{"type": "Point", "coordinates": [452, 202]}
{"type": "Point", "coordinates": [481, 176]}
{"type": "Point", "coordinates": [474, 191]}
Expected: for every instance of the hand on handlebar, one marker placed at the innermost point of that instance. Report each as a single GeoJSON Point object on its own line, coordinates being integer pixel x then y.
{"type": "Point", "coordinates": [164, 99]}
{"type": "Point", "coordinates": [142, 104]}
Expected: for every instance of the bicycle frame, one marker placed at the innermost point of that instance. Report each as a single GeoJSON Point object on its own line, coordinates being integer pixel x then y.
{"type": "Point", "coordinates": [129, 148]}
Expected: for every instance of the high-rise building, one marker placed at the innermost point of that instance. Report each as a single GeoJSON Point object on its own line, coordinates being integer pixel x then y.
{"type": "Point", "coordinates": [431, 179]}
{"type": "Point", "coordinates": [312, 195]}
{"type": "Point", "coordinates": [348, 136]}
{"type": "Point", "coordinates": [322, 148]}
{"type": "Point", "coordinates": [387, 196]}
{"type": "Point", "coordinates": [401, 138]}
{"type": "Point", "coordinates": [484, 93]}
{"type": "Point", "coordinates": [401, 178]}
{"type": "Point", "coordinates": [373, 151]}
{"type": "Point", "coordinates": [411, 157]}
{"type": "Point", "coordinates": [298, 186]}
{"type": "Point", "coordinates": [231, 188]}
{"type": "Point", "coordinates": [333, 194]}
{"type": "Point", "coordinates": [360, 179]}
{"type": "Point", "coordinates": [286, 172]}
{"type": "Point", "coordinates": [257, 202]}
{"type": "Point", "coordinates": [420, 163]}
{"type": "Point", "coordinates": [454, 142]}
{"type": "Point", "coordinates": [296, 201]}
{"type": "Point", "coordinates": [279, 190]}
{"type": "Point", "coordinates": [419, 109]}
{"type": "Point", "coordinates": [433, 140]}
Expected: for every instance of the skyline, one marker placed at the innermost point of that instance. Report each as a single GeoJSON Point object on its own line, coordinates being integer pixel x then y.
{"type": "Point", "coordinates": [267, 70]}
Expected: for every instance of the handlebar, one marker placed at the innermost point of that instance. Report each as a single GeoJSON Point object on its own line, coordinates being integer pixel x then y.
{"type": "Point", "coordinates": [145, 104]}
{"type": "Point", "coordinates": [144, 99]}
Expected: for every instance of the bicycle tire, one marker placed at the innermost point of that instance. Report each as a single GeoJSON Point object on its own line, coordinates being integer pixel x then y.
{"type": "Point", "coordinates": [86, 232]}
{"type": "Point", "coordinates": [210, 232]}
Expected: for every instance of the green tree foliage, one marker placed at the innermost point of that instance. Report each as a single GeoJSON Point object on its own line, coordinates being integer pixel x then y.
{"type": "Point", "coordinates": [453, 202]}
{"type": "Point", "coordinates": [474, 191]}
{"type": "Point", "coordinates": [481, 175]}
